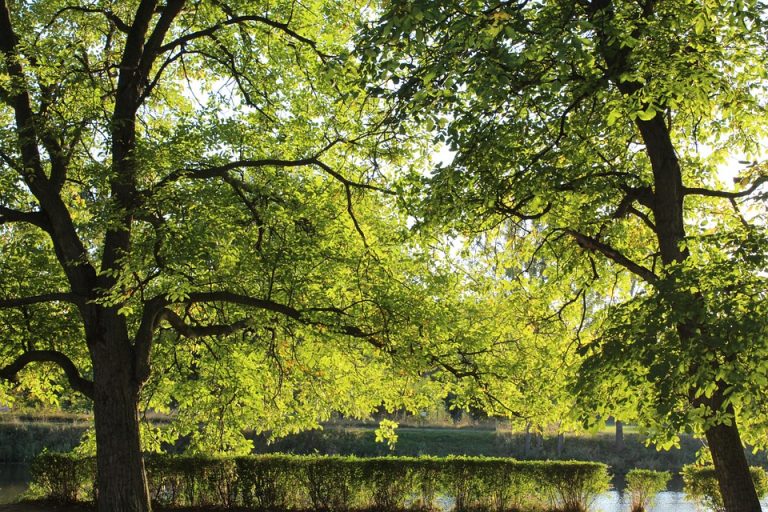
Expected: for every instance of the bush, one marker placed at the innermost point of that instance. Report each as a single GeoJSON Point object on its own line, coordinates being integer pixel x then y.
{"type": "Point", "coordinates": [386, 483]}
{"type": "Point", "coordinates": [572, 486]}
{"type": "Point", "coordinates": [701, 485]}
{"type": "Point", "coordinates": [426, 476]}
{"type": "Point", "coordinates": [63, 477]}
{"type": "Point", "coordinates": [330, 482]}
{"type": "Point", "coordinates": [268, 482]}
{"type": "Point", "coordinates": [339, 484]}
{"type": "Point", "coordinates": [191, 480]}
{"type": "Point", "coordinates": [464, 479]}
{"type": "Point", "coordinates": [643, 485]}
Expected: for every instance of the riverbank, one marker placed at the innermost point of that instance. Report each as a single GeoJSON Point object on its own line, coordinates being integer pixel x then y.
{"type": "Point", "coordinates": [22, 438]}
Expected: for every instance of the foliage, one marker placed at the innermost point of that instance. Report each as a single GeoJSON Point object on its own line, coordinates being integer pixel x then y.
{"type": "Point", "coordinates": [643, 485]}
{"type": "Point", "coordinates": [195, 481]}
{"type": "Point", "coordinates": [701, 485]}
{"type": "Point", "coordinates": [587, 140]}
{"type": "Point", "coordinates": [288, 482]}
{"type": "Point", "coordinates": [62, 477]}
{"type": "Point", "coordinates": [22, 441]}
{"type": "Point", "coordinates": [254, 267]}
{"type": "Point", "coordinates": [266, 482]}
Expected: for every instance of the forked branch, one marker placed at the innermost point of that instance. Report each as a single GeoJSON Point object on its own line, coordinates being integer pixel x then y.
{"type": "Point", "coordinates": [593, 244]}
{"type": "Point", "coordinates": [77, 381]}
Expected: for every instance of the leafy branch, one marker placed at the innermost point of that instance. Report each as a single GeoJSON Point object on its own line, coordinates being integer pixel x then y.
{"type": "Point", "coordinates": [78, 383]}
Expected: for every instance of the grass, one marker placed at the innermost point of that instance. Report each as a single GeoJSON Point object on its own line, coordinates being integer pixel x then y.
{"type": "Point", "coordinates": [598, 447]}
{"type": "Point", "coordinates": [20, 442]}
{"type": "Point", "coordinates": [22, 436]}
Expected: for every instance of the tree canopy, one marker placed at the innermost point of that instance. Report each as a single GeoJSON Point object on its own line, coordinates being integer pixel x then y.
{"type": "Point", "coordinates": [599, 129]}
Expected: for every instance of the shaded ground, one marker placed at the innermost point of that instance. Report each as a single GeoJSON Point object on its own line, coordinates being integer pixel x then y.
{"type": "Point", "coordinates": [40, 506]}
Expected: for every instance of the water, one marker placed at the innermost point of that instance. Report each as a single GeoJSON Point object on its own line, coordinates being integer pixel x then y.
{"type": "Point", "coordinates": [665, 502]}
{"type": "Point", "coordinates": [13, 481]}
{"type": "Point", "coordinates": [670, 501]}
{"type": "Point", "coordinates": [15, 477]}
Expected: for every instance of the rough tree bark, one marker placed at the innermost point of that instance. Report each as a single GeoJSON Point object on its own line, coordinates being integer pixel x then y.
{"type": "Point", "coordinates": [667, 198]}
{"type": "Point", "coordinates": [121, 480]}
{"type": "Point", "coordinates": [731, 467]}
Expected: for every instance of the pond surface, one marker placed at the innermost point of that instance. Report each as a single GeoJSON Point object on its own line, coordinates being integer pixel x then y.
{"type": "Point", "coordinates": [14, 479]}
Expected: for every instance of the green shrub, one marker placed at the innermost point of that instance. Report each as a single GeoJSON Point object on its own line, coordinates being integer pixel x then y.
{"type": "Point", "coordinates": [63, 477]}
{"type": "Point", "coordinates": [191, 480]}
{"type": "Point", "coordinates": [426, 476]}
{"type": "Point", "coordinates": [339, 484]}
{"type": "Point", "coordinates": [386, 482]}
{"type": "Point", "coordinates": [570, 485]}
{"type": "Point", "coordinates": [643, 485]}
{"type": "Point", "coordinates": [268, 482]}
{"type": "Point", "coordinates": [462, 479]}
{"type": "Point", "coordinates": [701, 485]}
{"type": "Point", "coordinates": [512, 486]}
{"type": "Point", "coordinates": [331, 482]}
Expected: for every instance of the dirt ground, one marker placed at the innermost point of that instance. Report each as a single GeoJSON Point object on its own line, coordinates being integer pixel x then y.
{"type": "Point", "coordinates": [41, 506]}
{"type": "Point", "coordinates": [36, 506]}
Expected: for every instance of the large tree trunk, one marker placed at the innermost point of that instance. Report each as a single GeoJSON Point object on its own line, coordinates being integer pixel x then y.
{"type": "Point", "coordinates": [731, 467]}
{"type": "Point", "coordinates": [121, 481]}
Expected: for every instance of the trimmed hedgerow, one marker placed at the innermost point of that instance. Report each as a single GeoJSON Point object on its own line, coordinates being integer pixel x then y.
{"type": "Point", "coordinates": [340, 484]}
{"type": "Point", "coordinates": [176, 480]}
{"type": "Point", "coordinates": [643, 485]}
{"type": "Point", "coordinates": [701, 485]}
{"type": "Point", "coordinates": [268, 482]}
{"type": "Point", "coordinates": [572, 486]}
{"type": "Point", "coordinates": [63, 477]}
{"type": "Point", "coordinates": [387, 483]}
{"type": "Point", "coordinates": [330, 482]}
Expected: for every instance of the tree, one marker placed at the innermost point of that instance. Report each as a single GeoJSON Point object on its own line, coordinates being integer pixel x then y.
{"type": "Point", "coordinates": [598, 127]}
{"type": "Point", "coordinates": [196, 188]}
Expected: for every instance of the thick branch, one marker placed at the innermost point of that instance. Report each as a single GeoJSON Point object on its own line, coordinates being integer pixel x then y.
{"type": "Point", "coordinates": [77, 382]}
{"type": "Point", "coordinates": [592, 244]}
{"type": "Point", "coordinates": [725, 194]}
{"type": "Point", "coordinates": [19, 99]}
{"type": "Point", "coordinates": [221, 171]}
{"type": "Point", "coordinates": [36, 218]}
{"type": "Point", "coordinates": [300, 315]}
{"type": "Point", "coordinates": [155, 40]}
{"type": "Point", "coordinates": [68, 246]}
{"type": "Point", "coordinates": [38, 299]}
{"type": "Point", "coordinates": [199, 331]}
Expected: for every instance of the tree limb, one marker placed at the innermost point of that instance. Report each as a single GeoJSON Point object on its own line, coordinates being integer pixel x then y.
{"type": "Point", "coordinates": [199, 331]}
{"type": "Point", "coordinates": [699, 191]}
{"type": "Point", "coordinates": [70, 250]}
{"type": "Point", "coordinates": [77, 382]}
{"type": "Point", "coordinates": [593, 244]}
{"type": "Point", "coordinates": [242, 19]}
{"type": "Point", "coordinates": [39, 299]}
{"type": "Point", "coordinates": [152, 315]}
{"type": "Point", "coordinates": [220, 171]}
{"type": "Point", "coordinates": [36, 218]}
{"type": "Point", "coordinates": [111, 16]}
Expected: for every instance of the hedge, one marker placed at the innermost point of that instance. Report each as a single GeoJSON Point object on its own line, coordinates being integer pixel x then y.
{"type": "Point", "coordinates": [701, 485]}
{"type": "Point", "coordinates": [341, 484]}
{"type": "Point", "coordinates": [643, 485]}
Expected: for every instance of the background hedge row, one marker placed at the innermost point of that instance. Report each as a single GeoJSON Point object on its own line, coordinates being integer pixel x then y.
{"type": "Point", "coordinates": [330, 484]}
{"type": "Point", "coordinates": [701, 485]}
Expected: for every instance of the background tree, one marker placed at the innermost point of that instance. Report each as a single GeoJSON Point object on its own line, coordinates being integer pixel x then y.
{"type": "Point", "coordinates": [599, 128]}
